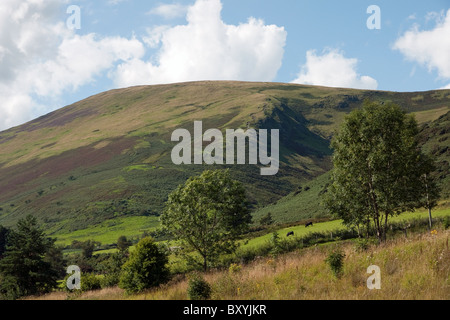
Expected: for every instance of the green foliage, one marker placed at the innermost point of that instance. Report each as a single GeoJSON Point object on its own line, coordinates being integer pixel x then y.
{"type": "Point", "coordinates": [198, 288]}
{"type": "Point", "coordinates": [111, 268]}
{"type": "Point", "coordinates": [87, 247]}
{"type": "Point", "coordinates": [276, 244]}
{"type": "Point", "coordinates": [378, 167]}
{"type": "Point", "coordinates": [207, 214]}
{"type": "Point", "coordinates": [335, 260]}
{"type": "Point", "coordinates": [362, 244]}
{"type": "Point", "coordinates": [25, 269]}
{"type": "Point", "coordinates": [267, 220]}
{"type": "Point", "coordinates": [89, 282]}
{"type": "Point", "coordinates": [298, 205]}
{"type": "Point", "coordinates": [123, 243]}
{"type": "Point", "coordinates": [446, 222]}
{"type": "Point", "coordinates": [234, 268]}
{"type": "Point", "coordinates": [145, 268]}
{"type": "Point", "coordinates": [3, 236]}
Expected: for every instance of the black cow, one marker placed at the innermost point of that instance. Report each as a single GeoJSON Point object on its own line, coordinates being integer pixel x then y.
{"type": "Point", "coordinates": [309, 224]}
{"type": "Point", "coordinates": [291, 233]}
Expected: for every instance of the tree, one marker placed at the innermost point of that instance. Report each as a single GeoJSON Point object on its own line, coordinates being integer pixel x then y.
{"type": "Point", "coordinates": [145, 268]}
{"type": "Point", "coordinates": [123, 243]}
{"type": "Point", "coordinates": [267, 220]}
{"type": "Point", "coordinates": [88, 248]}
{"type": "Point", "coordinates": [112, 268]}
{"type": "Point", "coordinates": [24, 268]}
{"type": "Point", "coordinates": [207, 214]}
{"type": "Point", "coordinates": [3, 236]}
{"type": "Point", "coordinates": [54, 256]}
{"type": "Point", "coordinates": [430, 189]}
{"type": "Point", "coordinates": [378, 167]}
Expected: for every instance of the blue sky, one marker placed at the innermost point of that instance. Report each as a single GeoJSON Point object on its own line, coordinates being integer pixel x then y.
{"type": "Point", "coordinates": [45, 65]}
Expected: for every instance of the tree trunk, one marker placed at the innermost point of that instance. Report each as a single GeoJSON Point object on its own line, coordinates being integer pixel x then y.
{"type": "Point", "coordinates": [428, 203]}
{"type": "Point", "coordinates": [430, 218]}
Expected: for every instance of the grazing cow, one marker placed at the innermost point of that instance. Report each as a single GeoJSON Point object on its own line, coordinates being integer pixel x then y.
{"type": "Point", "coordinates": [291, 233]}
{"type": "Point", "coordinates": [309, 224]}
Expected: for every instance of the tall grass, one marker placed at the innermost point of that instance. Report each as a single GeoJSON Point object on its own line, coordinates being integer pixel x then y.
{"type": "Point", "coordinates": [417, 267]}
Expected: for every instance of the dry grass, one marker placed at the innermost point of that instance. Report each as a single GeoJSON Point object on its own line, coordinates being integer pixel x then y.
{"type": "Point", "coordinates": [413, 268]}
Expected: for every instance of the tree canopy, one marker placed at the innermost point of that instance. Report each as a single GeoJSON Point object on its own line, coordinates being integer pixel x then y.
{"type": "Point", "coordinates": [207, 214]}
{"type": "Point", "coordinates": [145, 268]}
{"type": "Point", "coordinates": [26, 267]}
{"type": "Point", "coordinates": [379, 168]}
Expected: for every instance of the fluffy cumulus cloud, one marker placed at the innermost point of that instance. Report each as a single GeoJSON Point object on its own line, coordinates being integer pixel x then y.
{"type": "Point", "coordinates": [41, 59]}
{"type": "Point", "coordinates": [430, 48]}
{"type": "Point", "coordinates": [333, 69]}
{"type": "Point", "coordinates": [206, 48]}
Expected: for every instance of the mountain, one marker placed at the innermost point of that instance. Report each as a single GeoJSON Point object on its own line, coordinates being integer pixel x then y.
{"type": "Point", "coordinates": [108, 157]}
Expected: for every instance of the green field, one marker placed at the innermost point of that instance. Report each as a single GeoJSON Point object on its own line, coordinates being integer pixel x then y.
{"type": "Point", "coordinates": [412, 268]}
{"type": "Point", "coordinates": [330, 226]}
{"type": "Point", "coordinates": [109, 231]}
{"type": "Point", "coordinates": [133, 227]}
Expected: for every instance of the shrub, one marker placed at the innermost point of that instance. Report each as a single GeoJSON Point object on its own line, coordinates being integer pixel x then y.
{"type": "Point", "coordinates": [234, 268]}
{"type": "Point", "coordinates": [198, 288]}
{"type": "Point", "coordinates": [275, 242]}
{"type": "Point", "coordinates": [361, 244]}
{"type": "Point", "coordinates": [112, 267]}
{"type": "Point", "coordinates": [90, 281]}
{"type": "Point", "coordinates": [335, 260]}
{"type": "Point", "coordinates": [446, 222]}
{"type": "Point", "coordinates": [109, 280]}
{"type": "Point", "coordinates": [145, 268]}
{"type": "Point", "coordinates": [266, 220]}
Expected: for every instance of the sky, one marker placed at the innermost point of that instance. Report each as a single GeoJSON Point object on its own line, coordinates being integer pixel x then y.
{"type": "Point", "coordinates": [56, 52]}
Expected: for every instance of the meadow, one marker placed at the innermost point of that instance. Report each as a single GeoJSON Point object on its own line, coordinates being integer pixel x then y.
{"type": "Point", "coordinates": [416, 267]}
{"type": "Point", "coordinates": [335, 225]}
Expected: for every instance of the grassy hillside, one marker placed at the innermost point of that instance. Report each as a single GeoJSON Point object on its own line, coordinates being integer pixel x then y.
{"type": "Point", "coordinates": [305, 201]}
{"type": "Point", "coordinates": [416, 267]}
{"type": "Point", "coordinates": [103, 164]}
{"type": "Point", "coordinates": [435, 138]}
{"type": "Point", "coordinates": [302, 204]}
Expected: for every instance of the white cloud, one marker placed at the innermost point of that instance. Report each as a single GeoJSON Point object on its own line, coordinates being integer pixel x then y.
{"type": "Point", "coordinates": [429, 48]}
{"type": "Point", "coordinates": [208, 49]}
{"type": "Point", "coordinates": [170, 11]}
{"type": "Point", "coordinates": [41, 59]}
{"type": "Point", "coordinates": [332, 69]}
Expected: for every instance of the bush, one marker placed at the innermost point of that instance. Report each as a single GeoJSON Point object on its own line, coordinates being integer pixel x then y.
{"type": "Point", "coordinates": [266, 220]}
{"type": "Point", "coordinates": [234, 268]}
{"type": "Point", "coordinates": [89, 282]}
{"type": "Point", "coordinates": [198, 288]}
{"type": "Point", "coordinates": [109, 280]}
{"type": "Point", "coordinates": [361, 244]}
{"type": "Point", "coordinates": [335, 260]}
{"type": "Point", "coordinates": [446, 222]}
{"type": "Point", "coordinates": [145, 268]}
